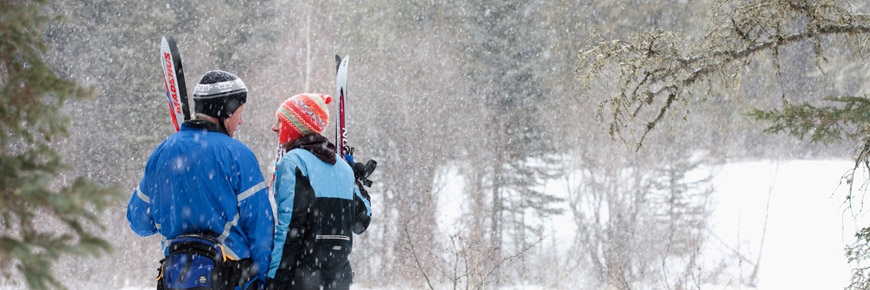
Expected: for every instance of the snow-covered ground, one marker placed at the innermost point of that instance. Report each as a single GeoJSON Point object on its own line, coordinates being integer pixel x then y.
{"type": "Point", "coordinates": [807, 227]}
{"type": "Point", "coordinates": [800, 202]}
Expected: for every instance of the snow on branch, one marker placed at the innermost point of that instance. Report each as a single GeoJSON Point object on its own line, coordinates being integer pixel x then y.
{"type": "Point", "coordinates": [658, 70]}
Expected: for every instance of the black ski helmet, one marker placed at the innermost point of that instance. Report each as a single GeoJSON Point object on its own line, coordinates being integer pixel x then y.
{"type": "Point", "coordinates": [218, 94]}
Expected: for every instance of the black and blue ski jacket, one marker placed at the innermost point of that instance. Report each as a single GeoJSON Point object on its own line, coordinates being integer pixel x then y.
{"type": "Point", "coordinates": [319, 208]}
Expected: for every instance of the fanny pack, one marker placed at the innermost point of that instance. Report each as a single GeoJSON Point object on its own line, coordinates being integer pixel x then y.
{"type": "Point", "coordinates": [198, 261]}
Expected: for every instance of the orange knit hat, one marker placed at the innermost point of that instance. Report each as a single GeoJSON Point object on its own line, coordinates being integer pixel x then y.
{"type": "Point", "coordinates": [301, 115]}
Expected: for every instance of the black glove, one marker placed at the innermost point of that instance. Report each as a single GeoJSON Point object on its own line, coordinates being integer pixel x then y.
{"type": "Point", "coordinates": [362, 171]}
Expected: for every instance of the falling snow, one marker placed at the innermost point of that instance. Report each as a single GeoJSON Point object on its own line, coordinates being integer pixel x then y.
{"type": "Point", "coordinates": [495, 163]}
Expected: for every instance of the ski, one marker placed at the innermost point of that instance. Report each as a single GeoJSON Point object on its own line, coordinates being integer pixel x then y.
{"type": "Point", "coordinates": [173, 80]}
{"type": "Point", "coordinates": [361, 171]}
{"type": "Point", "coordinates": [341, 93]}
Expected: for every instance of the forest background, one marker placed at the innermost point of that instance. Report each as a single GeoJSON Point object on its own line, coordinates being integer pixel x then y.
{"type": "Point", "coordinates": [508, 93]}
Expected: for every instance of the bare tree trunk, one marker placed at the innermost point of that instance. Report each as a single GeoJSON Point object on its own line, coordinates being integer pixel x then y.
{"type": "Point", "coordinates": [497, 208]}
{"type": "Point", "coordinates": [307, 47]}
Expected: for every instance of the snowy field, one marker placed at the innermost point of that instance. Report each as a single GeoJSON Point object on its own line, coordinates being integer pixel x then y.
{"type": "Point", "coordinates": [806, 225]}
{"type": "Point", "coordinates": [801, 201]}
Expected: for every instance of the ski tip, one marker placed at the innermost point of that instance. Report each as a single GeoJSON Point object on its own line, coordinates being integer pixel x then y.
{"type": "Point", "coordinates": [340, 61]}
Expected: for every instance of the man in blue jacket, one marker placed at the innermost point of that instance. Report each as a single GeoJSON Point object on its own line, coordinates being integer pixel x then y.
{"type": "Point", "coordinates": [318, 206]}
{"type": "Point", "coordinates": [202, 181]}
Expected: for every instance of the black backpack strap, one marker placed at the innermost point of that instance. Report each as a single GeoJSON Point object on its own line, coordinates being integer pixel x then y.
{"type": "Point", "coordinates": [184, 271]}
{"type": "Point", "coordinates": [196, 248]}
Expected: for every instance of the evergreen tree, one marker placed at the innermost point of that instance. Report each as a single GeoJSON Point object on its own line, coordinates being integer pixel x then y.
{"type": "Point", "coordinates": [504, 54]}
{"type": "Point", "coordinates": [31, 117]}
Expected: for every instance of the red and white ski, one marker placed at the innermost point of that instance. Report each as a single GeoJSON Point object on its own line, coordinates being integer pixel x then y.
{"type": "Point", "coordinates": [341, 93]}
{"type": "Point", "coordinates": [173, 79]}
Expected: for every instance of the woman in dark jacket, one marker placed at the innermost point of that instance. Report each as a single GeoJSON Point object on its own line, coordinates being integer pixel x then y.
{"type": "Point", "coordinates": [319, 207]}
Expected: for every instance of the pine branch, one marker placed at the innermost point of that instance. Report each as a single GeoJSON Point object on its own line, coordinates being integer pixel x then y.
{"type": "Point", "coordinates": [31, 118]}
{"type": "Point", "coordinates": [824, 124]}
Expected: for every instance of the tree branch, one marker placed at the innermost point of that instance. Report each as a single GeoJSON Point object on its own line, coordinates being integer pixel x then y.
{"type": "Point", "coordinates": [419, 265]}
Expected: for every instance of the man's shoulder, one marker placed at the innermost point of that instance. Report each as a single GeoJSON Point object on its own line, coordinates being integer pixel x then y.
{"type": "Point", "coordinates": [237, 149]}
{"type": "Point", "coordinates": [234, 143]}
{"type": "Point", "coordinates": [206, 140]}
{"type": "Point", "coordinates": [211, 138]}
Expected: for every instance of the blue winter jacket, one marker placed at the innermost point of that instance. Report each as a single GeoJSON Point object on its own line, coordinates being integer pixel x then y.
{"type": "Point", "coordinates": [200, 180]}
{"type": "Point", "coordinates": [318, 209]}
